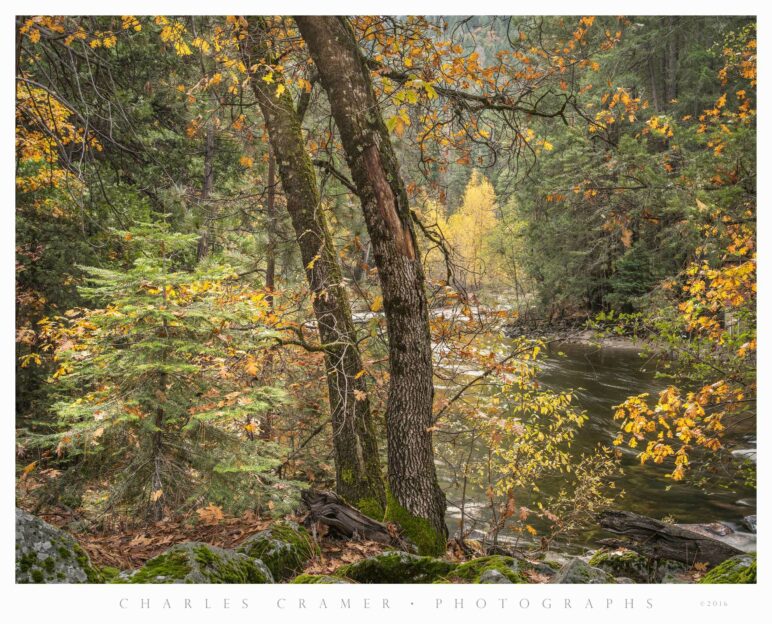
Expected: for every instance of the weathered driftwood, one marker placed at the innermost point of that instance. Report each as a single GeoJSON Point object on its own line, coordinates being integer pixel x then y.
{"type": "Point", "coordinates": [343, 521]}
{"type": "Point", "coordinates": [657, 540]}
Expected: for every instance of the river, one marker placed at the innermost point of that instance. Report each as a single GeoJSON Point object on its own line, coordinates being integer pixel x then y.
{"type": "Point", "coordinates": [602, 378]}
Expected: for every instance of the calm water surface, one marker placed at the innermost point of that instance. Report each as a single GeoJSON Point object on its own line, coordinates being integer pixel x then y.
{"type": "Point", "coordinates": [602, 378]}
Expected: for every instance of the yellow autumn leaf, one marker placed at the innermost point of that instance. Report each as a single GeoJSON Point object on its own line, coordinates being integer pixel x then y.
{"type": "Point", "coordinates": [310, 265]}
{"type": "Point", "coordinates": [29, 468]}
{"type": "Point", "coordinates": [377, 304]}
{"type": "Point", "coordinates": [251, 366]}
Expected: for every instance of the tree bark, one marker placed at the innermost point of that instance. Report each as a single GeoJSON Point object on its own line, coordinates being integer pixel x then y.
{"type": "Point", "coordinates": [358, 474]}
{"type": "Point", "coordinates": [375, 172]}
{"type": "Point", "coordinates": [270, 214]}
{"type": "Point", "coordinates": [206, 236]}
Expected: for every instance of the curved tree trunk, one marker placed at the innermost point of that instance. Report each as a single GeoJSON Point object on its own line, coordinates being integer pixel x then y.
{"type": "Point", "coordinates": [357, 467]}
{"type": "Point", "coordinates": [375, 172]}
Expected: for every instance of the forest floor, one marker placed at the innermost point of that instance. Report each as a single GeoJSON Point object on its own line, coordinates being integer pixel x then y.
{"type": "Point", "coordinates": [128, 548]}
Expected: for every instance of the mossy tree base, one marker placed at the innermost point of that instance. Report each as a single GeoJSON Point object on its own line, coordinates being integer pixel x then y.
{"type": "Point", "coordinates": [426, 538]}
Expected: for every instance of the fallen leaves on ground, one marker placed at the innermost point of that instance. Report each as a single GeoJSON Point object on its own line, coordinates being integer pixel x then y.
{"type": "Point", "coordinates": [337, 553]}
{"type": "Point", "coordinates": [128, 548]}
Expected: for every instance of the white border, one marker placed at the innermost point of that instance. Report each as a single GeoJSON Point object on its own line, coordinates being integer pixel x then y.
{"type": "Point", "coordinates": [84, 604]}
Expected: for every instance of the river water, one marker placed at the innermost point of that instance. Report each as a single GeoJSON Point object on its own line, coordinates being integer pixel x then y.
{"type": "Point", "coordinates": [603, 378]}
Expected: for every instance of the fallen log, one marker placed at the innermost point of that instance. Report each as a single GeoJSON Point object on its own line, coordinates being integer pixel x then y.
{"type": "Point", "coordinates": [341, 520]}
{"type": "Point", "coordinates": [657, 540]}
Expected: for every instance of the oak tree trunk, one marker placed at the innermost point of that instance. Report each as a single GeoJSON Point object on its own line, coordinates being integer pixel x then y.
{"type": "Point", "coordinates": [412, 477]}
{"type": "Point", "coordinates": [358, 475]}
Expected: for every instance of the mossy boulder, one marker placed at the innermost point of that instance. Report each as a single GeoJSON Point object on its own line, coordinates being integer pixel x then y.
{"type": "Point", "coordinates": [579, 572]}
{"type": "Point", "coordinates": [285, 548]}
{"type": "Point", "coordinates": [320, 579]}
{"type": "Point", "coordinates": [630, 564]}
{"type": "Point", "coordinates": [194, 562]}
{"type": "Point", "coordinates": [494, 569]}
{"type": "Point", "coordinates": [623, 563]}
{"type": "Point", "coordinates": [397, 567]}
{"type": "Point", "coordinates": [45, 554]}
{"type": "Point", "coordinates": [737, 570]}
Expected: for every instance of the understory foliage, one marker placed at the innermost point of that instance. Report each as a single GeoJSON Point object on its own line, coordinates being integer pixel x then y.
{"type": "Point", "coordinates": [512, 439]}
{"type": "Point", "coordinates": [156, 382]}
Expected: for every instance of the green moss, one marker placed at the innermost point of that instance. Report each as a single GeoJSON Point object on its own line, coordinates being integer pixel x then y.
{"type": "Point", "coordinates": [555, 565]}
{"type": "Point", "coordinates": [396, 567]}
{"type": "Point", "coordinates": [471, 571]}
{"type": "Point", "coordinates": [168, 567]}
{"type": "Point", "coordinates": [632, 565]}
{"type": "Point", "coordinates": [284, 547]}
{"type": "Point", "coordinates": [371, 507]}
{"type": "Point", "coordinates": [579, 572]}
{"type": "Point", "coordinates": [195, 562]}
{"type": "Point", "coordinates": [347, 476]}
{"type": "Point", "coordinates": [419, 530]}
{"type": "Point", "coordinates": [45, 554]}
{"type": "Point", "coordinates": [737, 570]}
{"type": "Point", "coordinates": [319, 579]}
{"type": "Point", "coordinates": [109, 573]}
{"type": "Point", "coordinates": [92, 574]}
{"type": "Point", "coordinates": [626, 563]}
{"type": "Point", "coordinates": [218, 569]}
{"type": "Point", "coordinates": [27, 561]}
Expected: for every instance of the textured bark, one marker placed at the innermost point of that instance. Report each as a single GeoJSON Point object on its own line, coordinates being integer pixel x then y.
{"type": "Point", "coordinates": [375, 173]}
{"type": "Point", "coordinates": [358, 475]}
{"type": "Point", "coordinates": [657, 540]}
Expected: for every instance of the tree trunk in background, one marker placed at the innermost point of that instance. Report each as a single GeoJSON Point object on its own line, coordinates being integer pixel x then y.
{"type": "Point", "coordinates": [656, 98]}
{"type": "Point", "coordinates": [266, 429]}
{"type": "Point", "coordinates": [416, 500]}
{"type": "Point", "coordinates": [270, 214]}
{"type": "Point", "coordinates": [671, 67]}
{"type": "Point", "coordinates": [206, 234]}
{"type": "Point", "coordinates": [357, 465]}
